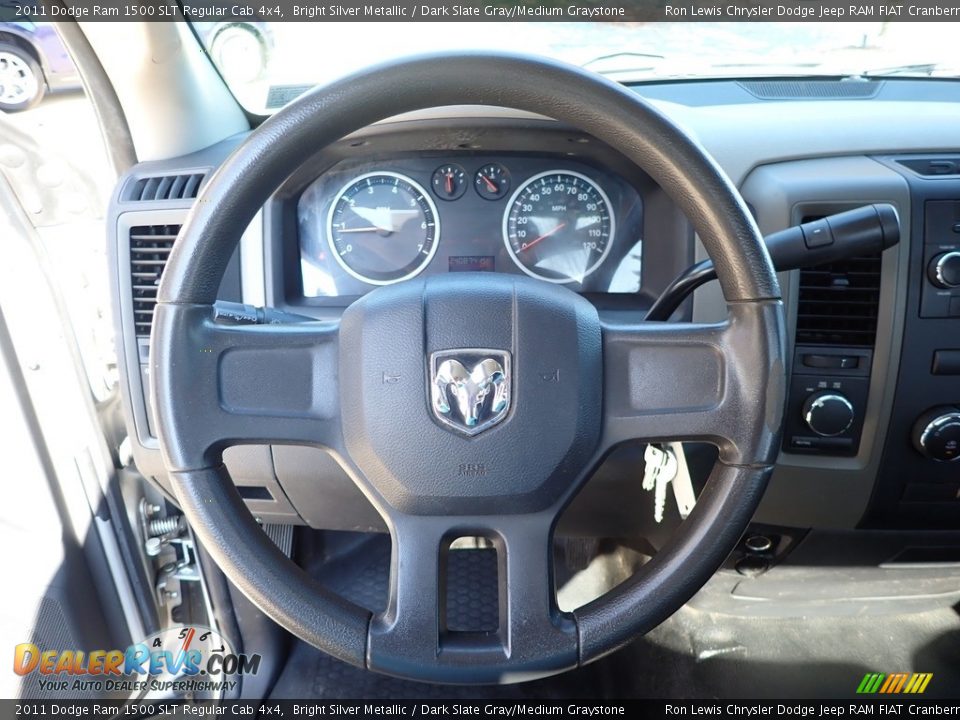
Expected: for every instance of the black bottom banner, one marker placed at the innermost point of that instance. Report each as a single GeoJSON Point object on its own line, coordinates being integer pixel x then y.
{"type": "Point", "coordinates": [287, 709]}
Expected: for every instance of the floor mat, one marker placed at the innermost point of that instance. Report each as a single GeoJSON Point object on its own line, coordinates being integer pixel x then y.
{"type": "Point", "coordinates": [695, 654]}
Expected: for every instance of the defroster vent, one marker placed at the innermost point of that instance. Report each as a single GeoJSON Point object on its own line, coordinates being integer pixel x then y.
{"type": "Point", "coordinates": [166, 187]}
{"type": "Point", "coordinates": [150, 246]}
{"type": "Point", "coordinates": [838, 303]}
{"type": "Point", "coordinates": [812, 89]}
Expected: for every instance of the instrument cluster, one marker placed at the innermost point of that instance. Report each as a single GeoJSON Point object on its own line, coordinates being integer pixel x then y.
{"type": "Point", "coordinates": [559, 220]}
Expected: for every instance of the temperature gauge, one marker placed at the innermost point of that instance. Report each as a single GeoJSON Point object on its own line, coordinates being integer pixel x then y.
{"type": "Point", "coordinates": [449, 182]}
{"type": "Point", "coordinates": [492, 181]}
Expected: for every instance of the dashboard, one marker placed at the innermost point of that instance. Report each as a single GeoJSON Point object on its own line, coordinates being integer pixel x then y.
{"type": "Point", "coordinates": [362, 225]}
{"type": "Point", "coordinates": [491, 190]}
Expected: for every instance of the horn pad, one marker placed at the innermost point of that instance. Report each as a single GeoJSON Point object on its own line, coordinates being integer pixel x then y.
{"type": "Point", "coordinates": [461, 391]}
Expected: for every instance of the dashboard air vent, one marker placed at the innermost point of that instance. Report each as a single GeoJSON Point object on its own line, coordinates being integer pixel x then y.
{"type": "Point", "coordinates": [812, 89]}
{"type": "Point", "coordinates": [167, 187]}
{"type": "Point", "coordinates": [150, 246]}
{"type": "Point", "coordinates": [838, 303]}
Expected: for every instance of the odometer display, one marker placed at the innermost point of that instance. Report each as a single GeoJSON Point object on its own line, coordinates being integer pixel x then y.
{"type": "Point", "coordinates": [559, 226]}
{"type": "Point", "coordinates": [383, 228]}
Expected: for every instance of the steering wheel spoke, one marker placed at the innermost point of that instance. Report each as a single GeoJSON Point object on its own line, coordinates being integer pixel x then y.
{"type": "Point", "coordinates": [682, 381]}
{"type": "Point", "coordinates": [245, 384]}
{"type": "Point", "coordinates": [519, 625]}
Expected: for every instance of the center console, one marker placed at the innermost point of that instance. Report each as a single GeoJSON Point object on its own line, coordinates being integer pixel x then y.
{"type": "Point", "coordinates": [919, 480]}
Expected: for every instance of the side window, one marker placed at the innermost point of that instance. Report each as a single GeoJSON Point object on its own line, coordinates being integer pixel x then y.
{"type": "Point", "coordinates": [55, 184]}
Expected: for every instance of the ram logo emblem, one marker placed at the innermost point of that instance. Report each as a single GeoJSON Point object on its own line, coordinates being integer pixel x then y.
{"type": "Point", "coordinates": [470, 388]}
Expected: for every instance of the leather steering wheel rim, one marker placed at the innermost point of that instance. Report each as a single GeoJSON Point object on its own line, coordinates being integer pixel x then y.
{"type": "Point", "coordinates": [746, 354]}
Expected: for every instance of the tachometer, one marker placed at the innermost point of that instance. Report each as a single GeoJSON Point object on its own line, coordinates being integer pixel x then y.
{"type": "Point", "coordinates": [559, 226]}
{"type": "Point", "coordinates": [383, 228]}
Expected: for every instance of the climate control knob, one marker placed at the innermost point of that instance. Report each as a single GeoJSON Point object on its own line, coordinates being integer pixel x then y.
{"type": "Point", "coordinates": [828, 414]}
{"type": "Point", "coordinates": [944, 270]}
{"type": "Point", "coordinates": [937, 434]}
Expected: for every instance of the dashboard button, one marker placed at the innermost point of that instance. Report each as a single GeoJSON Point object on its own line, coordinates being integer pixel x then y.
{"type": "Point", "coordinates": [946, 362]}
{"type": "Point", "coordinates": [953, 310]}
{"type": "Point", "coordinates": [828, 414]}
{"type": "Point", "coordinates": [827, 444]}
{"type": "Point", "coordinates": [944, 270]}
{"type": "Point", "coordinates": [936, 434]}
{"type": "Point", "coordinates": [931, 492]}
{"type": "Point", "coordinates": [841, 362]}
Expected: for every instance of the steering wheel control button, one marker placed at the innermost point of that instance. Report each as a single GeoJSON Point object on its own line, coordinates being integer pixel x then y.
{"type": "Point", "coordinates": [492, 182]}
{"type": "Point", "coordinates": [936, 434]}
{"type": "Point", "coordinates": [944, 270]}
{"type": "Point", "coordinates": [470, 388]}
{"type": "Point", "coordinates": [828, 414]}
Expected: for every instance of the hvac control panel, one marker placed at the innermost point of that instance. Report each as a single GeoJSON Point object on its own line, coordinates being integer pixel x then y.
{"type": "Point", "coordinates": [827, 399]}
{"type": "Point", "coordinates": [919, 478]}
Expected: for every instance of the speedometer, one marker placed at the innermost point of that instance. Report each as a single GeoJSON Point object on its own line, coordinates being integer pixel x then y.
{"type": "Point", "coordinates": [559, 226]}
{"type": "Point", "coordinates": [383, 228]}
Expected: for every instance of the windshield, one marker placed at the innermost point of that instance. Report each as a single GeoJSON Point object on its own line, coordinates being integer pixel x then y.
{"type": "Point", "coordinates": [267, 64]}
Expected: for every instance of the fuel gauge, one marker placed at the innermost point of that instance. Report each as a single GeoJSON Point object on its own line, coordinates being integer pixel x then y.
{"type": "Point", "coordinates": [449, 182]}
{"type": "Point", "coordinates": [492, 181]}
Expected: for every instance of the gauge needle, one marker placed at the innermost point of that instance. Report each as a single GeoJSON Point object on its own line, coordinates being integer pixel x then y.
{"type": "Point", "coordinates": [449, 185]}
{"type": "Point", "coordinates": [491, 185]}
{"type": "Point", "coordinates": [543, 237]}
{"type": "Point", "coordinates": [359, 230]}
{"type": "Point", "coordinates": [185, 646]}
{"type": "Point", "coordinates": [586, 221]}
{"type": "Point", "coordinates": [385, 219]}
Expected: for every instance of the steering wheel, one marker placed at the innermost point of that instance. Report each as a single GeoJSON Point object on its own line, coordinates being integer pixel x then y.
{"type": "Point", "coordinates": [563, 388]}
